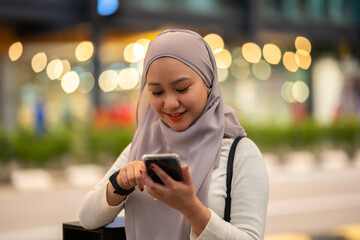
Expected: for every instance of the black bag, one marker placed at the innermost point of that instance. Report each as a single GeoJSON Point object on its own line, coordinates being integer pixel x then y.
{"type": "Point", "coordinates": [113, 231]}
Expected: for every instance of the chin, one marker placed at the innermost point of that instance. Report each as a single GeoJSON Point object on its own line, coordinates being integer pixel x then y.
{"type": "Point", "coordinates": [178, 128]}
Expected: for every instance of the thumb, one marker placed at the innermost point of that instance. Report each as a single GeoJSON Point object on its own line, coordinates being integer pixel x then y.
{"type": "Point", "coordinates": [186, 173]}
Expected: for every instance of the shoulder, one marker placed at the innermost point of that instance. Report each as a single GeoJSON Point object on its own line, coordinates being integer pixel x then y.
{"type": "Point", "coordinates": [247, 155]}
{"type": "Point", "coordinates": [244, 147]}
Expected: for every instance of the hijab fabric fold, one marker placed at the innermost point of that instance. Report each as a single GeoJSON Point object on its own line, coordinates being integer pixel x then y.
{"type": "Point", "coordinates": [198, 146]}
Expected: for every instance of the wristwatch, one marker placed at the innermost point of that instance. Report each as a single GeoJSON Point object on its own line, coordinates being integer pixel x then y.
{"type": "Point", "coordinates": [115, 184]}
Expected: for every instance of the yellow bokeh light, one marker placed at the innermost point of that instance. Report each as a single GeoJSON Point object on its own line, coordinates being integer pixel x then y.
{"type": "Point", "coordinates": [70, 82]}
{"type": "Point", "coordinates": [290, 61]}
{"type": "Point", "coordinates": [272, 53]}
{"type": "Point", "coordinates": [128, 78]}
{"type": "Point", "coordinates": [38, 62]}
{"type": "Point", "coordinates": [54, 69]}
{"type": "Point", "coordinates": [261, 70]}
{"type": "Point", "coordinates": [215, 42]}
{"type": "Point", "coordinates": [287, 236]}
{"type": "Point", "coordinates": [134, 52]}
{"type": "Point", "coordinates": [108, 80]}
{"type": "Point", "coordinates": [302, 43]}
{"type": "Point", "coordinates": [287, 92]}
{"type": "Point", "coordinates": [223, 74]}
{"type": "Point", "coordinates": [223, 59]}
{"type": "Point", "coordinates": [300, 91]}
{"type": "Point", "coordinates": [84, 51]}
{"type": "Point", "coordinates": [15, 51]}
{"type": "Point", "coordinates": [144, 42]}
{"type": "Point", "coordinates": [304, 59]}
{"type": "Point", "coordinates": [66, 68]}
{"type": "Point", "coordinates": [251, 52]}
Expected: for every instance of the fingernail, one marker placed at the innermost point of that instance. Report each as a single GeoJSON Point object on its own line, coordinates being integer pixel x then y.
{"type": "Point", "coordinates": [152, 166]}
{"type": "Point", "coordinates": [141, 172]}
{"type": "Point", "coordinates": [142, 189]}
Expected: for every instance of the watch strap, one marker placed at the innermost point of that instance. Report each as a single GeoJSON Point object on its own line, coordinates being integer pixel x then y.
{"type": "Point", "coordinates": [119, 190]}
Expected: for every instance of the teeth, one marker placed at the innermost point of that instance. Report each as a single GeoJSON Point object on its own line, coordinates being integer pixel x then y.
{"type": "Point", "coordinates": [175, 115]}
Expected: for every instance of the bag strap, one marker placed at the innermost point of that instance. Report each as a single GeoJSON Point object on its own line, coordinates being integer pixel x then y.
{"type": "Point", "coordinates": [229, 175]}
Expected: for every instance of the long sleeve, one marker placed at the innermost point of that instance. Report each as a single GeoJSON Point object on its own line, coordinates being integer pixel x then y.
{"type": "Point", "coordinates": [249, 195]}
{"type": "Point", "coordinates": [95, 212]}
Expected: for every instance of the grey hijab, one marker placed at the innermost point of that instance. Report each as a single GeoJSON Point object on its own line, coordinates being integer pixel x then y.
{"type": "Point", "coordinates": [198, 146]}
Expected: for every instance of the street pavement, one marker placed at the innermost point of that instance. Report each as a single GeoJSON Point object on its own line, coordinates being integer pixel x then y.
{"type": "Point", "coordinates": [311, 201]}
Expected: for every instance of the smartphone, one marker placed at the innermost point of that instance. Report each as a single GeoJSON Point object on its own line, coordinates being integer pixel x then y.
{"type": "Point", "coordinates": [169, 162]}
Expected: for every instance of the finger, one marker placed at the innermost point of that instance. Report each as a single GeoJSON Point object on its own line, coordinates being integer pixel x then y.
{"type": "Point", "coordinates": [186, 174]}
{"type": "Point", "coordinates": [161, 174]}
{"type": "Point", "coordinates": [152, 186]}
{"type": "Point", "coordinates": [130, 174]}
{"type": "Point", "coordinates": [139, 179]}
{"type": "Point", "coordinates": [124, 183]}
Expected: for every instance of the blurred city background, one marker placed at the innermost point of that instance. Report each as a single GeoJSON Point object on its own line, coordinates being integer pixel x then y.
{"type": "Point", "coordinates": [69, 78]}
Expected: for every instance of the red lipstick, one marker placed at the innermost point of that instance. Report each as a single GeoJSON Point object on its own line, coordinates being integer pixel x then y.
{"type": "Point", "coordinates": [175, 117]}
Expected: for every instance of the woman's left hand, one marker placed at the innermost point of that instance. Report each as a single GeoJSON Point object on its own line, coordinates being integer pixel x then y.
{"type": "Point", "coordinates": [177, 194]}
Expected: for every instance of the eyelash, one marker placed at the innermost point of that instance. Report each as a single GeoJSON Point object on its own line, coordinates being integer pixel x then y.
{"type": "Point", "coordinates": [178, 90]}
{"type": "Point", "coordinates": [156, 93]}
{"type": "Point", "coordinates": [183, 89]}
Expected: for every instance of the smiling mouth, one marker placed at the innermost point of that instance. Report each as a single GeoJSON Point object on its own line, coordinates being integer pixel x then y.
{"type": "Point", "coordinates": [176, 116]}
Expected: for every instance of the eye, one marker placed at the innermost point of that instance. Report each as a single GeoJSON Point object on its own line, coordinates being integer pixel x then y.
{"type": "Point", "coordinates": [156, 93]}
{"type": "Point", "coordinates": [183, 89]}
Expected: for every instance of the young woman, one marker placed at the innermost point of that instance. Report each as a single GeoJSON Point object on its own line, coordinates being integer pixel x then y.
{"type": "Point", "coordinates": [180, 110]}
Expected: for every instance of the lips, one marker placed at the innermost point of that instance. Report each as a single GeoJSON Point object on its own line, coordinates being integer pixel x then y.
{"type": "Point", "coordinates": [175, 116]}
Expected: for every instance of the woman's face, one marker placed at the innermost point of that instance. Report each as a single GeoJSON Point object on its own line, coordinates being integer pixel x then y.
{"type": "Point", "coordinates": [177, 93]}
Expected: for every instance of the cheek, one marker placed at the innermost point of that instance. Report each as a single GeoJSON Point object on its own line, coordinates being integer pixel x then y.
{"type": "Point", "coordinates": [196, 101]}
{"type": "Point", "coordinates": [155, 103]}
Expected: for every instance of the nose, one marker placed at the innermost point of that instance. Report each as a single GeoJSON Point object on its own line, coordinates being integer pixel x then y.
{"type": "Point", "coordinates": [171, 102]}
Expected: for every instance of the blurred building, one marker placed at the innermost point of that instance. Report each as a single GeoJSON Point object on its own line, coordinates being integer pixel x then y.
{"type": "Point", "coordinates": [279, 61]}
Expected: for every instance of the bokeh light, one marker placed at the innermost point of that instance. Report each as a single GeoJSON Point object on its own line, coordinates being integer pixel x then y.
{"type": "Point", "coordinates": [290, 62]}
{"type": "Point", "coordinates": [215, 42]}
{"type": "Point", "coordinates": [108, 80]}
{"type": "Point", "coordinates": [128, 78]}
{"type": "Point", "coordinates": [251, 52]}
{"type": "Point", "coordinates": [261, 70]}
{"type": "Point", "coordinates": [223, 59]}
{"type": "Point", "coordinates": [54, 69]}
{"type": "Point", "coordinates": [38, 62]}
{"type": "Point", "coordinates": [296, 91]}
{"type": "Point", "coordinates": [66, 68]}
{"type": "Point", "coordinates": [287, 92]}
{"type": "Point", "coordinates": [304, 61]}
{"type": "Point", "coordinates": [84, 51]}
{"type": "Point", "coordinates": [134, 52]}
{"type": "Point", "coordinates": [300, 91]}
{"type": "Point", "coordinates": [15, 51]}
{"type": "Point", "coordinates": [70, 82]}
{"type": "Point", "coordinates": [272, 53]}
{"type": "Point", "coordinates": [107, 7]}
{"type": "Point", "coordinates": [87, 82]}
{"type": "Point", "coordinates": [144, 42]}
{"type": "Point", "coordinates": [223, 73]}
{"type": "Point", "coordinates": [288, 236]}
{"type": "Point", "coordinates": [303, 45]}
{"type": "Point", "coordinates": [240, 68]}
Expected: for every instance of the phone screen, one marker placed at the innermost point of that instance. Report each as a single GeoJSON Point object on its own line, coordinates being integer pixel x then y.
{"type": "Point", "coordinates": [167, 162]}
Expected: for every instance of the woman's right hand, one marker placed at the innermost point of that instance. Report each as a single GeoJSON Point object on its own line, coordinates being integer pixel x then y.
{"type": "Point", "coordinates": [130, 175]}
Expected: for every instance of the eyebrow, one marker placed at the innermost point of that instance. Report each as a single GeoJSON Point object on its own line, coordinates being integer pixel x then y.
{"type": "Point", "coordinates": [172, 83]}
